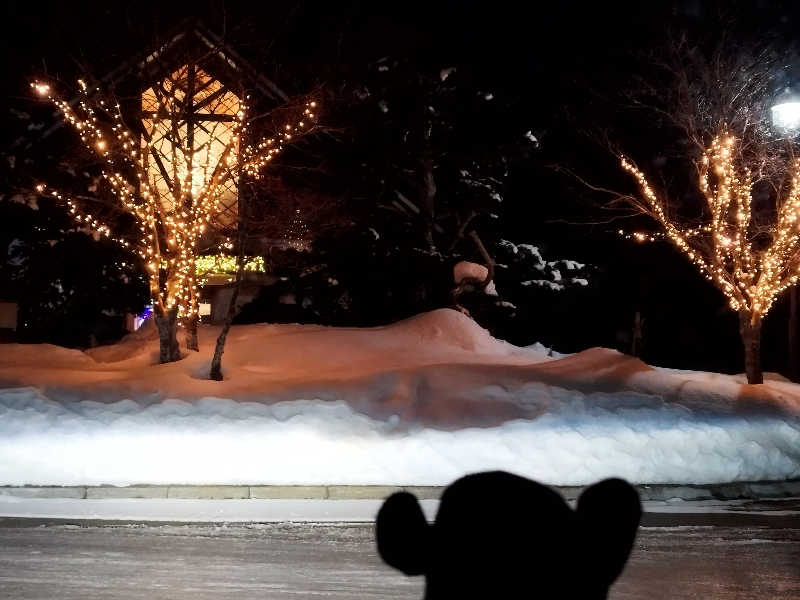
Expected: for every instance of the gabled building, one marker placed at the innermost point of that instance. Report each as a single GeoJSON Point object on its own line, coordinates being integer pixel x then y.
{"type": "Point", "coordinates": [182, 96]}
{"type": "Point", "coordinates": [199, 81]}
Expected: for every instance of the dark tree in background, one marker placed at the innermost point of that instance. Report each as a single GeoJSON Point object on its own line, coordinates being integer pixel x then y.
{"type": "Point", "coordinates": [72, 285]}
{"type": "Point", "coordinates": [422, 157]}
{"type": "Point", "coordinates": [72, 289]}
{"type": "Point", "coordinates": [435, 146]}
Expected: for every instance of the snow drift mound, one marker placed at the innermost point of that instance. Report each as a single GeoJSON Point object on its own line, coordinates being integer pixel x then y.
{"type": "Point", "coordinates": [437, 332]}
{"type": "Point", "coordinates": [578, 439]}
{"type": "Point", "coordinates": [448, 327]}
{"type": "Point", "coordinates": [421, 401]}
{"type": "Point", "coordinates": [37, 355]}
{"type": "Point", "coordinates": [140, 342]}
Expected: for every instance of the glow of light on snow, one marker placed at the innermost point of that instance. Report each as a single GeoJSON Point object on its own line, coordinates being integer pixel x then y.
{"type": "Point", "coordinates": [422, 401]}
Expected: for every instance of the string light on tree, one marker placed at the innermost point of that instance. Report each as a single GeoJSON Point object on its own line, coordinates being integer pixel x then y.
{"type": "Point", "coordinates": [170, 219]}
{"type": "Point", "coordinates": [750, 264]}
{"type": "Point", "coordinates": [656, 236]}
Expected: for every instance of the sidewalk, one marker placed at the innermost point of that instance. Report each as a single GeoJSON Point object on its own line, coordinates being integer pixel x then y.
{"type": "Point", "coordinates": [654, 492]}
{"type": "Point", "coordinates": [88, 512]}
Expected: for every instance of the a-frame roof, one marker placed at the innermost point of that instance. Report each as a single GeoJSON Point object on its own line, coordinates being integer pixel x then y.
{"type": "Point", "coordinates": [192, 39]}
{"type": "Point", "coordinates": [189, 39]}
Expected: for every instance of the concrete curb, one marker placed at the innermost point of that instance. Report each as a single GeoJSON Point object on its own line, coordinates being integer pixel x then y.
{"type": "Point", "coordinates": [748, 490]}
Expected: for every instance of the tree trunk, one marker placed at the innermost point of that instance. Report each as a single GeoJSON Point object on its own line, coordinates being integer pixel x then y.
{"type": "Point", "coordinates": [428, 189]}
{"type": "Point", "coordinates": [215, 372]}
{"type": "Point", "coordinates": [191, 333]}
{"type": "Point", "coordinates": [751, 339]}
{"type": "Point", "coordinates": [216, 362]}
{"type": "Point", "coordinates": [486, 258]}
{"type": "Point", "coordinates": [636, 334]}
{"type": "Point", "coordinates": [794, 349]}
{"type": "Point", "coordinates": [167, 325]}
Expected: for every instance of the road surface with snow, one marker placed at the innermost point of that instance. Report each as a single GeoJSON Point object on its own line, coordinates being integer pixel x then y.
{"type": "Point", "coordinates": [677, 556]}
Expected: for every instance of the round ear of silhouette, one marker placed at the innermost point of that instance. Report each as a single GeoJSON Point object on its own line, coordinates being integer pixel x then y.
{"type": "Point", "coordinates": [403, 534]}
{"type": "Point", "coordinates": [498, 532]}
{"type": "Point", "coordinates": [608, 517]}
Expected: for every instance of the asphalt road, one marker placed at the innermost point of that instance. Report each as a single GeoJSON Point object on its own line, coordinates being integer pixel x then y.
{"type": "Point", "coordinates": [677, 556]}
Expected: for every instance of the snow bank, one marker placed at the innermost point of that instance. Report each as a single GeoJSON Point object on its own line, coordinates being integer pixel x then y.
{"type": "Point", "coordinates": [419, 402]}
{"type": "Point", "coordinates": [576, 439]}
{"type": "Point", "coordinates": [14, 356]}
{"type": "Point", "coordinates": [473, 271]}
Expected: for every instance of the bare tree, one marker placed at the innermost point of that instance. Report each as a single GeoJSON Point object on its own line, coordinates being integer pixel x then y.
{"type": "Point", "coordinates": [744, 233]}
{"type": "Point", "coordinates": [170, 184]}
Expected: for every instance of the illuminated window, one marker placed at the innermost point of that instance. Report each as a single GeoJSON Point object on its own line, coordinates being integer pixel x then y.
{"type": "Point", "coordinates": [188, 135]}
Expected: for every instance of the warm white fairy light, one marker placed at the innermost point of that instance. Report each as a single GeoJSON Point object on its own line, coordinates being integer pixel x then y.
{"type": "Point", "coordinates": [225, 264]}
{"type": "Point", "coordinates": [657, 236]}
{"type": "Point", "coordinates": [751, 275]}
{"type": "Point", "coordinates": [171, 219]}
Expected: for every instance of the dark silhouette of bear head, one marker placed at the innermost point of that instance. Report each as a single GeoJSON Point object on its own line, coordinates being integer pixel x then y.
{"type": "Point", "coordinates": [502, 536]}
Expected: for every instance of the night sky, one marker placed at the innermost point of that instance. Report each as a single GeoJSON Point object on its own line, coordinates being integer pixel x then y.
{"type": "Point", "coordinates": [564, 62]}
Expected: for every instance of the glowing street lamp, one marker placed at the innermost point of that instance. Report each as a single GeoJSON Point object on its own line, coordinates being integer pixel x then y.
{"type": "Point", "coordinates": [786, 119]}
{"type": "Point", "coordinates": [786, 112]}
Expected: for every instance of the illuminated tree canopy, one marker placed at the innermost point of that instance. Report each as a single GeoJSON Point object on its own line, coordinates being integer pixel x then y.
{"type": "Point", "coordinates": [177, 179]}
{"type": "Point", "coordinates": [750, 260]}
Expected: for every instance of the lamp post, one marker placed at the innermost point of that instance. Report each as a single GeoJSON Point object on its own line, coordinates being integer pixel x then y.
{"type": "Point", "coordinates": [786, 120]}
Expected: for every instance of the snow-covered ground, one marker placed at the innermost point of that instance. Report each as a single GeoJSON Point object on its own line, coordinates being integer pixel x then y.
{"type": "Point", "coordinates": [420, 402]}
